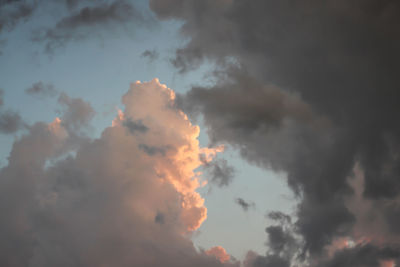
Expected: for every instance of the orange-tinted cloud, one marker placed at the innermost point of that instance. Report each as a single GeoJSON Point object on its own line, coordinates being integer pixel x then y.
{"type": "Point", "coordinates": [219, 253]}
{"type": "Point", "coordinates": [172, 140]}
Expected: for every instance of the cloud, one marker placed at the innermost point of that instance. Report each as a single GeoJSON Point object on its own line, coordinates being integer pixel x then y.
{"type": "Point", "coordinates": [1, 97]}
{"type": "Point", "coordinates": [365, 255]}
{"type": "Point", "coordinates": [284, 245]}
{"type": "Point", "coordinates": [14, 11]}
{"type": "Point", "coordinates": [10, 120]}
{"type": "Point", "coordinates": [244, 204]}
{"type": "Point", "coordinates": [90, 21]}
{"type": "Point", "coordinates": [152, 150]}
{"type": "Point", "coordinates": [150, 54]}
{"type": "Point", "coordinates": [68, 201]}
{"type": "Point", "coordinates": [76, 112]}
{"type": "Point", "coordinates": [219, 253]}
{"type": "Point", "coordinates": [309, 89]}
{"type": "Point", "coordinates": [135, 126]}
{"type": "Point", "coordinates": [219, 171]}
{"type": "Point", "coordinates": [40, 89]}
{"type": "Point", "coordinates": [80, 20]}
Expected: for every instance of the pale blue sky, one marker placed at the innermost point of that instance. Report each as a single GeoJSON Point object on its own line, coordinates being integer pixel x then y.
{"type": "Point", "coordinates": [99, 70]}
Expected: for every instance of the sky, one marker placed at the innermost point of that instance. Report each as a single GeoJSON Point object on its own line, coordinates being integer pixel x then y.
{"type": "Point", "coordinates": [199, 133]}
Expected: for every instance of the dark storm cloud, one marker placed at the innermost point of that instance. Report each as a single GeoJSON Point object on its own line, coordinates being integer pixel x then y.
{"type": "Point", "coordinates": [308, 88]}
{"type": "Point", "coordinates": [245, 205]}
{"type": "Point", "coordinates": [277, 129]}
{"type": "Point", "coordinates": [284, 245]}
{"type": "Point", "coordinates": [270, 261]}
{"type": "Point", "coordinates": [40, 89]}
{"type": "Point", "coordinates": [365, 256]}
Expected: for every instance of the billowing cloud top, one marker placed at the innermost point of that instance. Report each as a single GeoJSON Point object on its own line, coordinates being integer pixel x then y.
{"type": "Point", "coordinates": [125, 199]}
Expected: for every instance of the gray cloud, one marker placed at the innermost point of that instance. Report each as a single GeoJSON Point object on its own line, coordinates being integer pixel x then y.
{"type": "Point", "coordinates": [364, 255]}
{"type": "Point", "coordinates": [1, 97]}
{"type": "Point", "coordinates": [244, 204]}
{"type": "Point", "coordinates": [219, 172]}
{"type": "Point", "coordinates": [283, 243]}
{"type": "Point", "coordinates": [269, 261]}
{"type": "Point", "coordinates": [76, 113]}
{"type": "Point", "coordinates": [13, 11]}
{"type": "Point", "coordinates": [135, 126]}
{"type": "Point", "coordinates": [40, 89]}
{"type": "Point", "coordinates": [81, 19]}
{"type": "Point", "coordinates": [160, 218]}
{"type": "Point", "coordinates": [10, 120]}
{"type": "Point", "coordinates": [90, 21]}
{"type": "Point", "coordinates": [153, 150]}
{"type": "Point", "coordinates": [312, 91]}
{"type": "Point", "coordinates": [151, 55]}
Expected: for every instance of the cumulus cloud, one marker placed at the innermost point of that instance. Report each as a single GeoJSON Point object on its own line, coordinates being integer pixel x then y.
{"type": "Point", "coordinates": [309, 89]}
{"type": "Point", "coordinates": [67, 201]}
{"type": "Point", "coordinates": [219, 253]}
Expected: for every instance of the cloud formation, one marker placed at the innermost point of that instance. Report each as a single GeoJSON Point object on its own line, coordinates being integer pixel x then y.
{"type": "Point", "coordinates": [219, 253]}
{"type": "Point", "coordinates": [309, 89]}
{"type": "Point", "coordinates": [40, 89]}
{"type": "Point", "coordinates": [245, 205]}
{"type": "Point", "coordinates": [72, 201]}
{"type": "Point", "coordinates": [88, 21]}
{"type": "Point", "coordinates": [79, 21]}
{"type": "Point", "coordinates": [220, 173]}
{"type": "Point", "coordinates": [10, 120]}
{"type": "Point", "coordinates": [13, 11]}
{"type": "Point", "coordinates": [150, 54]}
